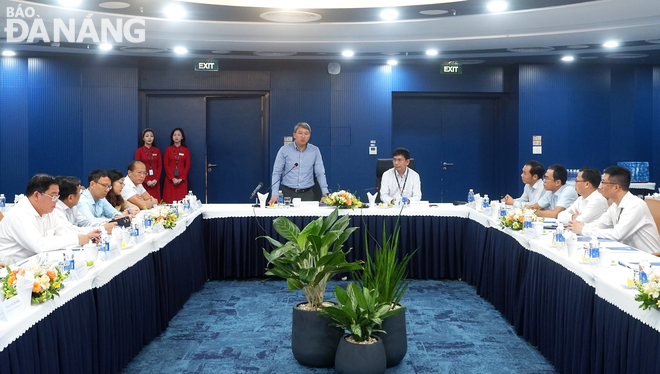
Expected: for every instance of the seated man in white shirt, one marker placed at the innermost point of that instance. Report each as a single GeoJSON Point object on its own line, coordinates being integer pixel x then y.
{"type": "Point", "coordinates": [532, 176]}
{"type": "Point", "coordinates": [30, 227]}
{"type": "Point", "coordinates": [133, 190]}
{"type": "Point", "coordinates": [558, 195]}
{"type": "Point", "coordinates": [400, 181]}
{"type": "Point", "coordinates": [591, 204]}
{"type": "Point", "coordinates": [628, 220]}
{"type": "Point", "coordinates": [70, 192]}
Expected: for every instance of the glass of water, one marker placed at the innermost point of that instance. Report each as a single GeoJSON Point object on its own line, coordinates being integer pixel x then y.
{"type": "Point", "coordinates": [287, 202]}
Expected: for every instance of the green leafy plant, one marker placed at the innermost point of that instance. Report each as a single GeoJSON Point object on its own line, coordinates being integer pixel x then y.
{"type": "Point", "coordinates": [312, 256]}
{"type": "Point", "coordinates": [385, 272]}
{"type": "Point", "coordinates": [359, 311]}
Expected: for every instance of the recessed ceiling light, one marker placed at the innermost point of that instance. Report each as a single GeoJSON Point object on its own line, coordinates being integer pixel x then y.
{"type": "Point", "coordinates": [388, 14]}
{"type": "Point", "coordinates": [180, 50]}
{"type": "Point", "coordinates": [392, 62]}
{"type": "Point", "coordinates": [611, 44]}
{"type": "Point", "coordinates": [69, 2]}
{"type": "Point", "coordinates": [433, 12]}
{"type": "Point", "coordinates": [567, 58]}
{"type": "Point", "coordinates": [105, 46]}
{"type": "Point", "coordinates": [347, 53]}
{"type": "Point", "coordinates": [114, 5]}
{"type": "Point", "coordinates": [432, 52]}
{"type": "Point", "coordinates": [8, 53]}
{"type": "Point", "coordinates": [497, 6]}
{"type": "Point", "coordinates": [174, 12]}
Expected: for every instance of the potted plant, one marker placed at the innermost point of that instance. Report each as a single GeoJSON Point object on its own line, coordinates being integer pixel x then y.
{"type": "Point", "coordinates": [359, 313]}
{"type": "Point", "coordinates": [387, 274]}
{"type": "Point", "coordinates": [307, 260]}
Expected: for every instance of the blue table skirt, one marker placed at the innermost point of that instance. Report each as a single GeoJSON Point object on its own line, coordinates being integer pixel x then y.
{"type": "Point", "coordinates": [102, 329]}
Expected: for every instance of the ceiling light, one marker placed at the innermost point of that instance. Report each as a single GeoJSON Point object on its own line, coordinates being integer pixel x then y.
{"type": "Point", "coordinates": [497, 6]}
{"type": "Point", "coordinates": [8, 53]}
{"type": "Point", "coordinates": [567, 58]}
{"type": "Point", "coordinates": [347, 53]}
{"type": "Point", "coordinates": [389, 14]}
{"type": "Point", "coordinates": [611, 44]}
{"type": "Point", "coordinates": [392, 62]}
{"type": "Point", "coordinates": [174, 12]}
{"type": "Point", "coordinates": [105, 46]}
{"type": "Point", "coordinates": [69, 2]}
{"type": "Point", "coordinates": [180, 50]}
{"type": "Point", "coordinates": [432, 52]}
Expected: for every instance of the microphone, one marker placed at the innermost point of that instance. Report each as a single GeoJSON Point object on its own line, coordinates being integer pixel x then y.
{"type": "Point", "coordinates": [261, 184]}
{"type": "Point", "coordinates": [283, 175]}
{"type": "Point", "coordinates": [459, 203]}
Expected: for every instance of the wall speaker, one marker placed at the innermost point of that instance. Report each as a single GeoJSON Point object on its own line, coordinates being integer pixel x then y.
{"type": "Point", "coordinates": [334, 68]}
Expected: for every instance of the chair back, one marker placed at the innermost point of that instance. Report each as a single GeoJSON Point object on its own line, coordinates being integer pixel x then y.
{"type": "Point", "coordinates": [654, 207]}
{"type": "Point", "coordinates": [383, 165]}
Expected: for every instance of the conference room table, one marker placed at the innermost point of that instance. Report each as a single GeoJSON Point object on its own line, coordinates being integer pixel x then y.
{"type": "Point", "coordinates": [584, 319]}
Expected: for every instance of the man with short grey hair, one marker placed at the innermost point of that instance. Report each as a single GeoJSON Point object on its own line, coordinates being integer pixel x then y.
{"type": "Point", "coordinates": [296, 165]}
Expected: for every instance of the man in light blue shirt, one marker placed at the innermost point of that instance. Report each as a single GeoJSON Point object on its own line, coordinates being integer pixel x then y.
{"type": "Point", "coordinates": [558, 196]}
{"type": "Point", "coordinates": [92, 203]}
{"type": "Point", "coordinates": [296, 165]}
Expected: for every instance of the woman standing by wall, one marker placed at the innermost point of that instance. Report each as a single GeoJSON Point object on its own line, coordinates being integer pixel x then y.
{"type": "Point", "coordinates": [150, 155]}
{"type": "Point", "coordinates": [177, 164]}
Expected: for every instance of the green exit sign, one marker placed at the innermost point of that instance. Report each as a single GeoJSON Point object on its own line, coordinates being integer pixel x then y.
{"type": "Point", "coordinates": [452, 69]}
{"type": "Point", "coordinates": [206, 65]}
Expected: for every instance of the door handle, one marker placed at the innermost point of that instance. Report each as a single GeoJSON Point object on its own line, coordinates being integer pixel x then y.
{"type": "Point", "coordinates": [209, 166]}
{"type": "Point", "coordinates": [445, 164]}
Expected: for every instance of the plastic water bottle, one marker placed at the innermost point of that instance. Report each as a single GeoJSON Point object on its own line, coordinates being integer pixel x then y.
{"type": "Point", "coordinates": [594, 252]}
{"type": "Point", "coordinates": [486, 205]}
{"type": "Point", "coordinates": [470, 199]}
{"type": "Point", "coordinates": [2, 202]}
{"type": "Point", "coordinates": [280, 199]}
{"type": "Point", "coordinates": [147, 223]}
{"type": "Point", "coordinates": [558, 239]}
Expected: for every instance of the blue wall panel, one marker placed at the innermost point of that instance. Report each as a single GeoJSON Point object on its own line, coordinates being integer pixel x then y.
{"type": "Point", "coordinates": [14, 115]}
{"type": "Point", "coordinates": [655, 124]}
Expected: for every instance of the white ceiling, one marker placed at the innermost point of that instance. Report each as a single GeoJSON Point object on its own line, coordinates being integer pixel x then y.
{"type": "Point", "coordinates": [239, 31]}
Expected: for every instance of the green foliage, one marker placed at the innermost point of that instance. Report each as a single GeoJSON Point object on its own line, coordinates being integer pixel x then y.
{"type": "Point", "coordinates": [359, 311]}
{"type": "Point", "coordinates": [312, 256]}
{"type": "Point", "coordinates": [384, 272]}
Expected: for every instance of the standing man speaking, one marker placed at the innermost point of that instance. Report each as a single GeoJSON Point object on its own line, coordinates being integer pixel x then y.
{"type": "Point", "coordinates": [296, 165]}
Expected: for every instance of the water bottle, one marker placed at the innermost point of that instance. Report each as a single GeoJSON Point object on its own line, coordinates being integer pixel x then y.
{"type": "Point", "coordinates": [503, 210]}
{"type": "Point", "coordinates": [558, 240]}
{"type": "Point", "coordinates": [186, 205]}
{"type": "Point", "coordinates": [470, 199]}
{"type": "Point", "coordinates": [527, 223]}
{"type": "Point", "coordinates": [486, 205]}
{"type": "Point", "coordinates": [594, 252]}
{"type": "Point", "coordinates": [280, 199]}
{"type": "Point", "coordinates": [2, 202]}
{"type": "Point", "coordinates": [147, 223]}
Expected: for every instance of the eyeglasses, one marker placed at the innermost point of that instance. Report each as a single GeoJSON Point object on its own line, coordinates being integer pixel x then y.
{"type": "Point", "coordinates": [53, 198]}
{"type": "Point", "coordinates": [577, 181]}
{"type": "Point", "coordinates": [603, 182]}
{"type": "Point", "coordinates": [106, 186]}
{"type": "Point", "coordinates": [398, 159]}
{"type": "Point", "coordinates": [122, 184]}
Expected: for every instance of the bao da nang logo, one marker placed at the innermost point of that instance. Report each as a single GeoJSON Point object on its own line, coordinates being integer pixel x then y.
{"type": "Point", "coordinates": [25, 25]}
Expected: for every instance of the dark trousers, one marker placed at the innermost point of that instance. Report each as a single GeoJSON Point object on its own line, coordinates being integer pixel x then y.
{"type": "Point", "coordinates": [304, 196]}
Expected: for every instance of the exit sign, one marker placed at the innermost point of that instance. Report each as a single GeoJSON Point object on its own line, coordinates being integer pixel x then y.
{"type": "Point", "coordinates": [452, 69]}
{"type": "Point", "coordinates": [206, 65]}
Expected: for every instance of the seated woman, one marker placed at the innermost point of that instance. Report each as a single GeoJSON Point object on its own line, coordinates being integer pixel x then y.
{"type": "Point", "coordinates": [114, 195]}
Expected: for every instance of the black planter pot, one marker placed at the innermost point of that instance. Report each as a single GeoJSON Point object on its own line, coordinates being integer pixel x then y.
{"type": "Point", "coordinates": [354, 358]}
{"type": "Point", "coordinates": [313, 342]}
{"type": "Point", "coordinates": [396, 339]}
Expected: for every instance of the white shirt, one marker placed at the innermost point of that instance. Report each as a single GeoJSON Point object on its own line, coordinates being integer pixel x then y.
{"type": "Point", "coordinates": [587, 209]}
{"type": "Point", "coordinates": [130, 189]}
{"type": "Point", "coordinates": [532, 194]}
{"type": "Point", "coordinates": [78, 221]}
{"type": "Point", "coordinates": [392, 183]}
{"type": "Point", "coordinates": [630, 223]}
{"type": "Point", "coordinates": [23, 233]}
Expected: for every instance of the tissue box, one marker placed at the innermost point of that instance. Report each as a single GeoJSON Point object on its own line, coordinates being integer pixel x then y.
{"type": "Point", "coordinates": [639, 171]}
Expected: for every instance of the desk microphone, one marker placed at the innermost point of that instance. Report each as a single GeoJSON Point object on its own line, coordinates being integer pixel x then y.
{"type": "Point", "coordinates": [278, 181]}
{"type": "Point", "coordinates": [261, 184]}
{"type": "Point", "coordinates": [459, 203]}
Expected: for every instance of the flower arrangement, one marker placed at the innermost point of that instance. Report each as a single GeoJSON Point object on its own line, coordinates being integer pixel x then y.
{"type": "Point", "coordinates": [343, 200]}
{"type": "Point", "coordinates": [164, 215]}
{"type": "Point", "coordinates": [649, 292]}
{"type": "Point", "coordinates": [48, 281]}
{"type": "Point", "coordinates": [515, 218]}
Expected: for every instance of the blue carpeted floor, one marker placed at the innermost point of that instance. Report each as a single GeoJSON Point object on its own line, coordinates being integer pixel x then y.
{"type": "Point", "coordinates": [245, 327]}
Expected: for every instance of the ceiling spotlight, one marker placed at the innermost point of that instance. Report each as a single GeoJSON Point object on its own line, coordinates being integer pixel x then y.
{"type": "Point", "coordinates": [69, 2]}
{"type": "Point", "coordinates": [105, 46]}
{"type": "Point", "coordinates": [611, 44]}
{"type": "Point", "coordinates": [347, 53]}
{"type": "Point", "coordinates": [174, 12]}
{"type": "Point", "coordinates": [180, 50]}
{"type": "Point", "coordinates": [8, 53]}
{"type": "Point", "coordinates": [432, 52]}
{"type": "Point", "coordinates": [392, 62]}
{"type": "Point", "coordinates": [389, 14]}
{"type": "Point", "coordinates": [497, 6]}
{"type": "Point", "coordinates": [567, 58]}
